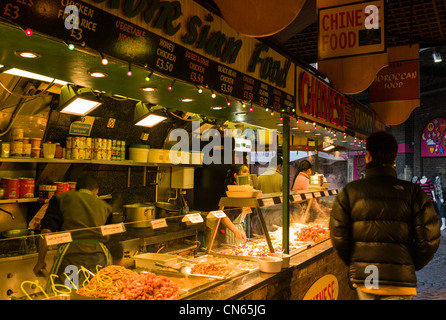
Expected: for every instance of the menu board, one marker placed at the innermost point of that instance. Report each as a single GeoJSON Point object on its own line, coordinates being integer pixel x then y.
{"type": "Point", "coordinates": [83, 24]}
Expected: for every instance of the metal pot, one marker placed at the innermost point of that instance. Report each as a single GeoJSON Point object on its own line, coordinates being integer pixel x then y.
{"type": "Point", "coordinates": [139, 212]}
{"type": "Point", "coordinates": [166, 209]}
{"type": "Point", "coordinates": [15, 233]}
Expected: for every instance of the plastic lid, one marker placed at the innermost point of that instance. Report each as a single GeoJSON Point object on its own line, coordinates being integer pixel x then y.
{"type": "Point", "coordinates": [142, 146]}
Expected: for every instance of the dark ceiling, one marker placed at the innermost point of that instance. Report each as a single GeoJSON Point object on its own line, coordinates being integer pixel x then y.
{"type": "Point", "coordinates": [407, 22]}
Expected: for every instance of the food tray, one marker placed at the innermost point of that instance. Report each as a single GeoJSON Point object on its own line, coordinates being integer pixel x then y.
{"type": "Point", "coordinates": [148, 260]}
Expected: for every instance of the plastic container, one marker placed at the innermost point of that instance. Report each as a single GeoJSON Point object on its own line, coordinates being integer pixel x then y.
{"type": "Point", "coordinates": [270, 264]}
{"type": "Point", "coordinates": [158, 156]}
{"type": "Point", "coordinates": [285, 258]}
{"type": "Point", "coordinates": [148, 260]}
{"type": "Point", "coordinates": [139, 152]}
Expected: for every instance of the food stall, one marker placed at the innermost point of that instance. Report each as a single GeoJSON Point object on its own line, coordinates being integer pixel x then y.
{"type": "Point", "coordinates": [151, 190]}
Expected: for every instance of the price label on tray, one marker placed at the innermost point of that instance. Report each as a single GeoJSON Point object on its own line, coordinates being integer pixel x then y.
{"type": "Point", "coordinates": [158, 223]}
{"type": "Point", "coordinates": [317, 194]}
{"type": "Point", "coordinates": [309, 196]}
{"type": "Point", "coordinates": [112, 229]}
{"type": "Point", "coordinates": [219, 214]}
{"type": "Point", "coordinates": [58, 238]}
{"type": "Point", "coordinates": [268, 202]}
{"type": "Point", "coordinates": [297, 197]}
{"type": "Point", "coordinates": [193, 218]}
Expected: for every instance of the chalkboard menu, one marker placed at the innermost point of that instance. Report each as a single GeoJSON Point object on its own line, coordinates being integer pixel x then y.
{"type": "Point", "coordinates": [80, 23]}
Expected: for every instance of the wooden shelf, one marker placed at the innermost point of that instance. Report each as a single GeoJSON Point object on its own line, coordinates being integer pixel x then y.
{"type": "Point", "coordinates": [20, 200]}
{"type": "Point", "coordinates": [98, 162]}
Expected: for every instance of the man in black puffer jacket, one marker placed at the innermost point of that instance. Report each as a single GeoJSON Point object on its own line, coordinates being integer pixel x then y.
{"type": "Point", "coordinates": [384, 228]}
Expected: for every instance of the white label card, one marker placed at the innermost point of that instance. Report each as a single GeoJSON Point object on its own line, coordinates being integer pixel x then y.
{"type": "Point", "coordinates": [193, 218]}
{"type": "Point", "coordinates": [317, 194]}
{"type": "Point", "coordinates": [219, 214]}
{"type": "Point", "coordinates": [112, 229]}
{"type": "Point", "coordinates": [268, 202]}
{"type": "Point", "coordinates": [297, 197]}
{"type": "Point", "coordinates": [158, 223]}
{"type": "Point", "coordinates": [58, 238]}
{"type": "Point", "coordinates": [308, 196]}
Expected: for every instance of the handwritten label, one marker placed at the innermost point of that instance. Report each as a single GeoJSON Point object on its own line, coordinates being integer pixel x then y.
{"type": "Point", "coordinates": [268, 202]}
{"type": "Point", "coordinates": [193, 218]}
{"type": "Point", "coordinates": [219, 214]}
{"type": "Point", "coordinates": [317, 194]}
{"type": "Point", "coordinates": [309, 196]}
{"type": "Point", "coordinates": [158, 223]}
{"type": "Point", "coordinates": [297, 197]}
{"type": "Point", "coordinates": [246, 210]}
{"type": "Point", "coordinates": [58, 238]}
{"type": "Point", "coordinates": [112, 229]}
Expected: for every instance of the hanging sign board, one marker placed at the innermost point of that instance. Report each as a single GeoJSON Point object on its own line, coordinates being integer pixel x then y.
{"type": "Point", "coordinates": [351, 30]}
{"type": "Point", "coordinates": [158, 223]}
{"type": "Point", "coordinates": [112, 229]}
{"type": "Point", "coordinates": [399, 81]}
{"type": "Point", "coordinates": [58, 238]}
{"type": "Point", "coordinates": [181, 40]}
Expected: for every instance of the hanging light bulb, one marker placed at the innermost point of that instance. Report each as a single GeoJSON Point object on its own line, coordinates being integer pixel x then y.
{"type": "Point", "coordinates": [149, 76]}
{"type": "Point", "coordinates": [29, 32]}
{"type": "Point", "coordinates": [266, 109]}
{"type": "Point", "coordinates": [71, 47]}
{"type": "Point", "coordinates": [129, 71]}
{"type": "Point", "coordinates": [228, 103]}
{"type": "Point", "coordinates": [170, 87]}
{"type": "Point", "coordinates": [213, 95]}
{"type": "Point", "coordinates": [104, 60]}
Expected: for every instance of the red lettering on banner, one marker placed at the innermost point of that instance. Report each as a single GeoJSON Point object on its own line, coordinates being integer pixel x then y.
{"type": "Point", "coordinates": [320, 101]}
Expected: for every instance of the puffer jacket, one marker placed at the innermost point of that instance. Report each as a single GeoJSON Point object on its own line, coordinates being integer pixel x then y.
{"type": "Point", "coordinates": [384, 222]}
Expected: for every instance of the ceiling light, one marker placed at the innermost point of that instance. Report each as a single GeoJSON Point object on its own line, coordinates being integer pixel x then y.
{"type": "Point", "coordinates": [436, 56]}
{"type": "Point", "coordinates": [217, 108]}
{"type": "Point", "coordinates": [330, 147]}
{"type": "Point", "coordinates": [97, 74]}
{"type": "Point", "coordinates": [146, 118]}
{"type": "Point", "coordinates": [26, 74]}
{"type": "Point", "coordinates": [213, 95]}
{"type": "Point", "coordinates": [71, 46]}
{"type": "Point", "coordinates": [241, 113]}
{"type": "Point", "coordinates": [129, 71]}
{"type": "Point", "coordinates": [27, 54]}
{"type": "Point", "coordinates": [186, 100]}
{"type": "Point", "coordinates": [148, 89]}
{"type": "Point", "coordinates": [77, 102]}
{"type": "Point", "coordinates": [279, 124]}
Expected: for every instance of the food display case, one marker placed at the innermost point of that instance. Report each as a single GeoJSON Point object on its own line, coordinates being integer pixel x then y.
{"type": "Point", "coordinates": [223, 271]}
{"type": "Point", "coordinates": [309, 214]}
